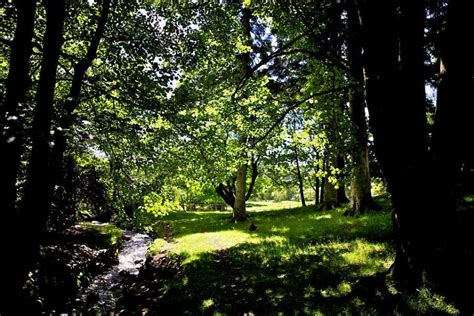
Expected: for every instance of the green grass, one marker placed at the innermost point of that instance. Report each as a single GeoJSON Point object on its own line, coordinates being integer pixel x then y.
{"type": "Point", "coordinates": [105, 235]}
{"type": "Point", "coordinates": [298, 260]}
{"type": "Point", "coordinates": [198, 233]}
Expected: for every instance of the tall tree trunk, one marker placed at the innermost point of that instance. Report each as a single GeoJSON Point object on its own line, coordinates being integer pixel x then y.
{"type": "Point", "coordinates": [361, 197]}
{"type": "Point", "coordinates": [227, 191]}
{"type": "Point", "coordinates": [240, 190]}
{"type": "Point", "coordinates": [239, 211]}
{"type": "Point", "coordinates": [300, 178]}
{"type": "Point", "coordinates": [323, 183]}
{"type": "Point", "coordinates": [330, 196]}
{"type": "Point", "coordinates": [452, 133]}
{"type": "Point", "coordinates": [316, 191]}
{"type": "Point", "coordinates": [253, 178]}
{"type": "Point", "coordinates": [38, 193]}
{"type": "Point", "coordinates": [17, 84]}
{"type": "Point", "coordinates": [398, 122]}
{"type": "Point", "coordinates": [73, 99]}
{"type": "Point", "coordinates": [341, 190]}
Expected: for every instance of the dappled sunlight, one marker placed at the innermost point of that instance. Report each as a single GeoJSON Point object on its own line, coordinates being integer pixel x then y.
{"type": "Point", "coordinates": [326, 216]}
{"type": "Point", "coordinates": [192, 246]}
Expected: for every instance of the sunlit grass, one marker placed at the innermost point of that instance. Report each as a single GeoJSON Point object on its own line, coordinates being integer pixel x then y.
{"type": "Point", "coordinates": [196, 233]}
{"type": "Point", "coordinates": [105, 234]}
{"type": "Point", "coordinates": [297, 260]}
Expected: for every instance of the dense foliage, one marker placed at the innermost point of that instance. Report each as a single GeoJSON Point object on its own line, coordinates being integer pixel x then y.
{"type": "Point", "coordinates": [124, 111]}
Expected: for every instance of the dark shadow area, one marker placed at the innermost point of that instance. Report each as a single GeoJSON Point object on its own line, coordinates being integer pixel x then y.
{"type": "Point", "coordinates": [253, 278]}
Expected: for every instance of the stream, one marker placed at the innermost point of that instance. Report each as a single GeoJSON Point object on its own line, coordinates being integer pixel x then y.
{"type": "Point", "coordinates": [105, 289]}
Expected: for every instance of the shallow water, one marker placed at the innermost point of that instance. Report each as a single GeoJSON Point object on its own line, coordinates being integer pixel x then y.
{"type": "Point", "coordinates": [105, 289]}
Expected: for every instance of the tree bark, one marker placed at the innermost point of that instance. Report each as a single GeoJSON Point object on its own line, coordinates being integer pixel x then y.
{"type": "Point", "coordinates": [330, 196]}
{"type": "Point", "coordinates": [239, 212]}
{"type": "Point", "coordinates": [73, 99]}
{"type": "Point", "coordinates": [300, 178]}
{"type": "Point", "coordinates": [253, 178]}
{"type": "Point", "coordinates": [323, 183]}
{"type": "Point", "coordinates": [452, 133]}
{"type": "Point", "coordinates": [17, 84]}
{"type": "Point", "coordinates": [38, 193]}
{"type": "Point", "coordinates": [341, 190]}
{"type": "Point", "coordinates": [226, 193]}
{"type": "Point", "coordinates": [361, 197]}
{"type": "Point", "coordinates": [395, 96]}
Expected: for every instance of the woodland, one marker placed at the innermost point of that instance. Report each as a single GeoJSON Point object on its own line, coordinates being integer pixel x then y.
{"type": "Point", "coordinates": [236, 157]}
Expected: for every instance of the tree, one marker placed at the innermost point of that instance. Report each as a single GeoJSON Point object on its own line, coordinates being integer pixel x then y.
{"type": "Point", "coordinates": [423, 215]}
{"type": "Point", "coordinates": [361, 197]}
{"type": "Point", "coordinates": [34, 209]}
{"type": "Point", "coordinates": [18, 82]}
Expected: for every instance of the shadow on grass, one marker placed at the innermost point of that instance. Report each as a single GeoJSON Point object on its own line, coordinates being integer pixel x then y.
{"type": "Point", "coordinates": [277, 277]}
{"type": "Point", "coordinates": [297, 261]}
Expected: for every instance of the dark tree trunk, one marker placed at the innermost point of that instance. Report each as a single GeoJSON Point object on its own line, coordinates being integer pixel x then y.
{"type": "Point", "coordinates": [397, 118]}
{"type": "Point", "coordinates": [330, 196]}
{"type": "Point", "coordinates": [323, 183]}
{"type": "Point", "coordinates": [239, 213]}
{"type": "Point", "coordinates": [317, 186]}
{"type": "Point", "coordinates": [361, 197]}
{"type": "Point", "coordinates": [253, 178]}
{"type": "Point", "coordinates": [17, 84]}
{"type": "Point", "coordinates": [341, 190]}
{"type": "Point", "coordinates": [38, 192]}
{"type": "Point", "coordinates": [300, 178]}
{"type": "Point", "coordinates": [73, 99]}
{"type": "Point", "coordinates": [226, 193]}
{"type": "Point", "coordinates": [451, 135]}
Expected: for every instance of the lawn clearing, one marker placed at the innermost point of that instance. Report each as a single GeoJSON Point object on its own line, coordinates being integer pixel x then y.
{"type": "Point", "coordinates": [297, 260]}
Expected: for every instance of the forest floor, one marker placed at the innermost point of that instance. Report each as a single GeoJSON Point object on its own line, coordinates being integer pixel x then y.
{"type": "Point", "coordinates": [297, 261]}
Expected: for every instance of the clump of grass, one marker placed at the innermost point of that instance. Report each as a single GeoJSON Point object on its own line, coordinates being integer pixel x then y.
{"type": "Point", "coordinates": [425, 301]}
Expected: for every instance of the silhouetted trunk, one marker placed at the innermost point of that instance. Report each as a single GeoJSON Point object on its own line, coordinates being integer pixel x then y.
{"type": "Point", "coordinates": [361, 197]}
{"type": "Point", "coordinates": [397, 116]}
{"type": "Point", "coordinates": [452, 133]}
{"type": "Point", "coordinates": [239, 212]}
{"type": "Point", "coordinates": [300, 178]}
{"type": "Point", "coordinates": [227, 193]}
{"type": "Point", "coordinates": [73, 99]}
{"type": "Point", "coordinates": [17, 84]}
{"type": "Point", "coordinates": [317, 182]}
{"type": "Point", "coordinates": [253, 178]}
{"type": "Point", "coordinates": [341, 190]}
{"type": "Point", "coordinates": [38, 191]}
{"type": "Point", "coordinates": [323, 183]}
